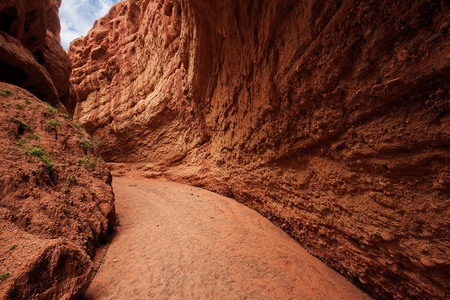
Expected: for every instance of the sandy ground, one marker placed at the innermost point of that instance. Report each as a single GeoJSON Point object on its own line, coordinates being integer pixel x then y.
{"type": "Point", "coordinates": [180, 242]}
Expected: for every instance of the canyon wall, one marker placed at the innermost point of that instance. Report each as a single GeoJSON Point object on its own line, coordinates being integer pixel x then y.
{"type": "Point", "coordinates": [331, 118]}
{"type": "Point", "coordinates": [31, 55]}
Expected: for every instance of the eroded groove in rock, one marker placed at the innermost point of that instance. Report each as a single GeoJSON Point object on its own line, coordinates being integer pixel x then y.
{"type": "Point", "coordinates": [329, 117]}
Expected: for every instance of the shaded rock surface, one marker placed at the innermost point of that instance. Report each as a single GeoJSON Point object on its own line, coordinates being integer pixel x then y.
{"type": "Point", "coordinates": [331, 118]}
{"type": "Point", "coordinates": [31, 55]}
{"type": "Point", "coordinates": [56, 200]}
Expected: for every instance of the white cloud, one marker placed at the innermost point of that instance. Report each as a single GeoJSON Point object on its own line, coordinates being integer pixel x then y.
{"type": "Point", "coordinates": [78, 16]}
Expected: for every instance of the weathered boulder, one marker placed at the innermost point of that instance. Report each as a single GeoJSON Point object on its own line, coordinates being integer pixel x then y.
{"type": "Point", "coordinates": [331, 118]}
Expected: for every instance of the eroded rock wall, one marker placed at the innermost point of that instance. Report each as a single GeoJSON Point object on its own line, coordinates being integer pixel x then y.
{"type": "Point", "coordinates": [31, 55]}
{"type": "Point", "coordinates": [127, 78]}
{"type": "Point", "coordinates": [331, 118]}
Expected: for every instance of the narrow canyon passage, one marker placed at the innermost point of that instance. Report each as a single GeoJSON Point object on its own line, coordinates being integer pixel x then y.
{"type": "Point", "coordinates": [181, 242]}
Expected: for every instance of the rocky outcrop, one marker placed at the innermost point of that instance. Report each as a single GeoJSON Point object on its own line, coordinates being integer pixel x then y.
{"type": "Point", "coordinates": [56, 200]}
{"type": "Point", "coordinates": [31, 55]}
{"type": "Point", "coordinates": [331, 118]}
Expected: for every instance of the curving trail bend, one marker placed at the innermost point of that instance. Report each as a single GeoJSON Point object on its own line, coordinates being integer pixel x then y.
{"type": "Point", "coordinates": [180, 242]}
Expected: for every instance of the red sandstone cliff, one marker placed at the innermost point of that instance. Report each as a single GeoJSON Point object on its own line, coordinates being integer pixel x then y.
{"type": "Point", "coordinates": [31, 55]}
{"type": "Point", "coordinates": [331, 118]}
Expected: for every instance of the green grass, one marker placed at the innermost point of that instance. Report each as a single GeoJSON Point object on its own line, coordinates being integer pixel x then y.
{"type": "Point", "coordinates": [36, 172]}
{"type": "Point", "coordinates": [48, 164]}
{"type": "Point", "coordinates": [38, 151]}
{"type": "Point", "coordinates": [22, 125]}
{"type": "Point", "coordinates": [87, 162]}
{"type": "Point", "coordinates": [53, 123]}
{"type": "Point", "coordinates": [13, 247]}
{"type": "Point", "coordinates": [78, 126]}
{"type": "Point", "coordinates": [50, 108]}
{"type": "Point", "coordinates": [3, 276]}
{"type": "Point", "coordinates": [6, 93]}
{"type": "Point", "coordinates": [21, 142]}
{"type": "Point", "coordinates": [85, 143]}
{"type": "Point", "coordinates": [28, 101]}
{"type": "Point", "coordinates": [36, 136]}
{"type": "Point", "coordinates": [19, 105]}
{"type": "Point", "coordinates": [71, 178]}
{"type": "Point", "coordinates": [65, 116]}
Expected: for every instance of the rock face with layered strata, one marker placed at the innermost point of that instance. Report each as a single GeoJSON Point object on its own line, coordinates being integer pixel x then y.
{"type": "Point", "coordinates": [31, 55]}
{"type": "Point", "coordinates": [331, 118]}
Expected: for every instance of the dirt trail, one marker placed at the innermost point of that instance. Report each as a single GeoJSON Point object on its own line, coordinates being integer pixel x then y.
{"type": "Point", "coordinates": [180, 242]}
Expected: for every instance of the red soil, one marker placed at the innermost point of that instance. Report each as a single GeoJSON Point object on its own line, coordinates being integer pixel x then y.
{"type": "Point", "coordinates": [56, 201]}
{"type": "Point", "coordinates": [181, 242]}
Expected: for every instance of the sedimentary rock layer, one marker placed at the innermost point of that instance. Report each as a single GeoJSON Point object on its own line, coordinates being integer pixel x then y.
{"type": "Point", "coordinates": [329, 117]}
{"type": "Point", "coordinates": [31, 55]}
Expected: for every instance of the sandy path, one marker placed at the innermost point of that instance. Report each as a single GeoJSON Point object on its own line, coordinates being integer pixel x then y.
{"type": "Point", "coordinates": [182, 242]}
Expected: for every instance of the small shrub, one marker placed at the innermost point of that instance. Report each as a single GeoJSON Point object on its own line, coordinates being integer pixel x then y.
{"type": "Point", "coordinates": [36, 136]}
{"type": "Point", "coordinates": [3, 276]}
{"type": "Point", "coordinates": [13, 247]}
{"type": "Point", "coordinates": [9, 104]}
{"type": "Point", "coordinates": [100, 159]}
{"type": "Point", "coordinates": [71, 178]}
{"type": "Point", "coordinates": [28, 101]}
{"type": "Point", "coordinates": [6, 93]}
{"type": "Point", "coordinates": [85, 143]}
{"type": "Point", "coordinates": [48, 164]}
{"type": "Point", "coordinates": [65, 116]}
{"type": "Point", "coordinates": [37, 151]}
{"type": "Point", "coordinates": [53, 123]}
{"type": "Point", "coordinates": [22, 125]}
{"type": "Point", "coordinates": [19, 105]}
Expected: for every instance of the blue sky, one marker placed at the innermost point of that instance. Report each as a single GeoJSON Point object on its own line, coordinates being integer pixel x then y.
{"type": "Point", "coordinates": [78, 16]}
